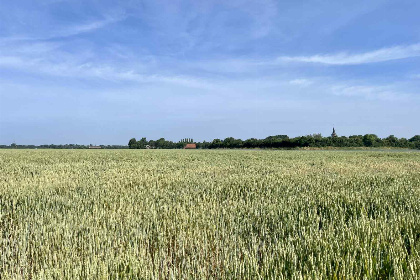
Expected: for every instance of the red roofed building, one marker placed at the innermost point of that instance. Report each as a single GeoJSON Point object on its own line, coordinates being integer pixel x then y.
{"type": "Point", "coordinates": [190, 146]}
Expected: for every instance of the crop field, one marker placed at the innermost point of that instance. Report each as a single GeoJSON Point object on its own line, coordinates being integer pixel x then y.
{"type": "Point", "coordinates": [209, 214]}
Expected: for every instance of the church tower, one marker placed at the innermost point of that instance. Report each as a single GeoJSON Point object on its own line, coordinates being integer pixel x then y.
{"type": "Point", "coordinates": [333, 134]}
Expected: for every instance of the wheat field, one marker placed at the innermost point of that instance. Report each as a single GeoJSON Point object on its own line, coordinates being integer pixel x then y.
{"type": "Point", "coordinates": [213, 214]}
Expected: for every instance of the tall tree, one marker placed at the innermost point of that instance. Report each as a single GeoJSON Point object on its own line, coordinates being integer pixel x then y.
{"type": "Point", "coordinates": [132, 143]}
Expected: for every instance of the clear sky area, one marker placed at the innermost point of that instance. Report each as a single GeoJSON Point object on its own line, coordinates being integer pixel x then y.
{"type": "Point", "coordinates": [103, 71]}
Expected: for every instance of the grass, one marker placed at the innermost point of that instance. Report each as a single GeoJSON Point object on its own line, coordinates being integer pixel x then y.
{"type": "Point", "coordinates": [172, 214]}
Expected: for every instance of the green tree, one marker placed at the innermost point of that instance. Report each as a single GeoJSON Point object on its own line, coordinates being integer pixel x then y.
{"type": "Point", "coordinates": [132, 143]}
{"type": "Point", "coordinates": [141, 144]}
{"type": "Point", "coordinates": [370, 140]}
{"type": "Point", "coordinates": [356, 141]}
{"type": "Point", "coordinates": [391, 141]}
{"type": "Point", "coordinates": [415, 138]}
{"type": "Point", "coordinates": [216, 143]}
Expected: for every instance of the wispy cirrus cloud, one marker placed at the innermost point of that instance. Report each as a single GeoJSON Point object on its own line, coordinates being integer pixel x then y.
{"type": "Point", "coordinates": [88, 27]}
{"type": "Point", "coordinates": [344, 58]}
{"type": "Point", "coordinates": [301, 82]}
{"type": "Point", "coordinates": [98, 71]}
{"type": "Point", "coordinates": [300, 85]}
{"type": "Point", "coordinates": [67, 31]}
{"type": "Point", "coordinates": [371, 92]}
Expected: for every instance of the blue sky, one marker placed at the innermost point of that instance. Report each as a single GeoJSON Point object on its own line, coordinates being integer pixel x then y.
{"type": "Point", "coordinates": [102, 72]}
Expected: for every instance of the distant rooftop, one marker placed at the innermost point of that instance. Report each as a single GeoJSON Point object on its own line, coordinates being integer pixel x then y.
{"type": "Point", "coordinates": [190, 146]}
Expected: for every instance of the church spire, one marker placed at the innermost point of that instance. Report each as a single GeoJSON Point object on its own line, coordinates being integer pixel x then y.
{"type": "Point", "coordinates": [333, 134]}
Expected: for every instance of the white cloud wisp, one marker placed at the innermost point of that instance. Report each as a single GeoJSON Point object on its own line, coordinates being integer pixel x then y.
{"type": "Point", "coordinates": [380, 55]}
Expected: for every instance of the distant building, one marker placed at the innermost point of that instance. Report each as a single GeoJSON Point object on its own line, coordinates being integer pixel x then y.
{"type": "Point", "coordinates": [190, 146]}
{"type": "Point", "coordinates": [95, 147]}
{"type": "Point", "coordinates": [333, 134]}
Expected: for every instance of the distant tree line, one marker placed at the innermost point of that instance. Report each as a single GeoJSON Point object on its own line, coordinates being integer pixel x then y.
{"type": "Point", "coordinates": [277, 141]}
{"type": "Point", "coordinates": [65, 146]}
{"type": "Point", "coordinates": [283, 141]}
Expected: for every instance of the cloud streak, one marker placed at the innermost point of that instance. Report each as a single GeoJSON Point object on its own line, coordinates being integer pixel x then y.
{"type": "Point", "coordinates": [301, 85]}
{"type": "Point", "coordinates": [67, 31]}
{"type": "Point", "coordinates": [103, 72]}
{"type": "Point", "coordinates": [344, 58]}
{"type": "Point", "coordinates": [369, 92]}
{"type": "Point", "coordinates": [87, 27]}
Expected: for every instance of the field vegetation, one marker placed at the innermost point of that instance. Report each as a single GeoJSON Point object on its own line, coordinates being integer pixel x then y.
{"type": "Point", "coordinates": [209, 214]}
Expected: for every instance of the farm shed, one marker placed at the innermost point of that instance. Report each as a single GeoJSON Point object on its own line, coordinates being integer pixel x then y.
{"type": "Point", "coordinates": [190, 146]}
